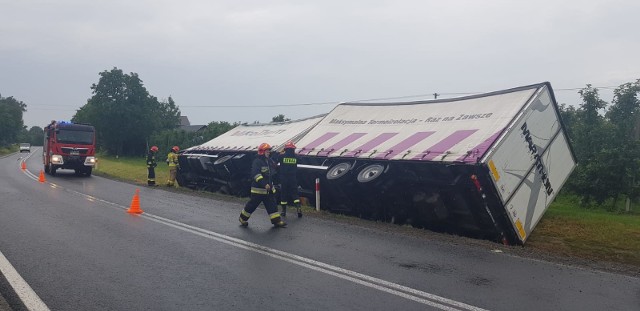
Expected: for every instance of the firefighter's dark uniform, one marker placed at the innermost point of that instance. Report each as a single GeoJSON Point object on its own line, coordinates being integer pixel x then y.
{"type": "Point", "coordinates": [261, 175]}
{"type": "Point", "coordinates": [288, 164]}
{"type": "Point", "coordinates": [151, 167]}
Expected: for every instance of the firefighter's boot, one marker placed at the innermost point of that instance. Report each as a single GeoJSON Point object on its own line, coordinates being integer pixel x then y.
{"type": "Point", "coordinates": [244, 218]}
{"type": "Point", "coordinates": [277, 221]}
{"type": "Point", "coordinates": [299, 210]}
{"type": "Point", "coordinates": [280, 224]}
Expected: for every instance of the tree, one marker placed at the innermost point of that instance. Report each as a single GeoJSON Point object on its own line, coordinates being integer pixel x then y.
{"type": "Point", "coordinates": [606, 144]}
{"type": "Point", "coordinates": [217, 128]}
{"type": "Point", "coordinates": [36, 135]}
{"type": "Point", "coordinates": [588, 135]}
{"type": "Point", "coordinates": [279, 118]}
{"type": "Point", "coordinates": [168, 138]}
{"type": "Point", "coordinates": [125, 114]}
{"type": "Point", "coordinates": [623, 116]}
{"type": "Point", "coordinates": [11, 111]}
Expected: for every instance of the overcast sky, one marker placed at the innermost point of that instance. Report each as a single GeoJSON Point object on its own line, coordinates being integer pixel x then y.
{"type": "Point", "coordinates": [309, 54]}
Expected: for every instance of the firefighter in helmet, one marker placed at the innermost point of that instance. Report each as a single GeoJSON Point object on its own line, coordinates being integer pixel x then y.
{"type": "Point", "coordinates": [262, 189]}
{"type": "Point", "coordinates": [288, 164]}
{"type": "Point", "coordinates": [172, 161]}
{"type": "Point", "coordinates": [151, 166]}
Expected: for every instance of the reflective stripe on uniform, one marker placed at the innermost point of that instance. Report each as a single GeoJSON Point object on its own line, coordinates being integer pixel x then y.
{"type": "Point", "coordinates": [258, 190]}
{"type": "Point", "coordinates": [274, 215]}
{"type": "Point", "coordinates": [258, 177]}
{"type": "Point", "coordinates": [289, 160]}
{"type": "Point", "coordinates": [245, 213]}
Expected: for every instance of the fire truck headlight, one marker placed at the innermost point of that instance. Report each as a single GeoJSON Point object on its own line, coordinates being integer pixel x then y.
{"type": "Point", "coordinates": [57, 159]}
{"type": "Point", "coordinates": [90, 161]}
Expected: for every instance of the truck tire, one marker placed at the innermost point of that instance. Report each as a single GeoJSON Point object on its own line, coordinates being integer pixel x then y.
{"type": "Point", "coordinates": [87, 171]}
{"type": "Point", "coordinates": [371, 172]}
{"type": "Point", "coordinates": [339, 170]}
{"type": "Point", "coordinates": [52, 169]}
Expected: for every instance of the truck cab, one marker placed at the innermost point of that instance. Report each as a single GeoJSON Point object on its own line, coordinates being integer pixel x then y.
{"type": "Point", "coordinates": [69, 145]}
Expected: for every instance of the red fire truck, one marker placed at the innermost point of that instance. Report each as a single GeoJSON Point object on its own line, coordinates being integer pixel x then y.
{"type": "Point", "coordinates": [69, 145]}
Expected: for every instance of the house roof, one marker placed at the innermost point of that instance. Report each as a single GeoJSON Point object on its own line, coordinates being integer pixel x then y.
{"type": "Point", "coordinates": [184, 120]}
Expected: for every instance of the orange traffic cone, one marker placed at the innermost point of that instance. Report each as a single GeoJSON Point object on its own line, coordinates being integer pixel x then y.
{"type": "Point", "coordinates": [135, 204]}
{"type": "Point", "coordinates": [23, 165]}
{"type": "Point", "coordinates": [41, 179]}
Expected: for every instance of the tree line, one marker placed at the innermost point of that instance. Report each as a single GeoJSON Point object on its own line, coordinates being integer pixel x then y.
{"type": "Point", "coordinates": [128, 120]}
{"type": "Point", "coordinates": [12, 128]}
{"type": "Point", "coordinates": [605, 139]}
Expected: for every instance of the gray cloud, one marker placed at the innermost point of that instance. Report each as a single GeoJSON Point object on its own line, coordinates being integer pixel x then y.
{"type": "Point", "coordinates": [211, 53]}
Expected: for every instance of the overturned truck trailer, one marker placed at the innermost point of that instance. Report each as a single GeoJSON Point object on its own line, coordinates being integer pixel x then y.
{"type": "Point", "coordinates": [485, 166]}
{"type": "Point", "coordinates": [223, 164]}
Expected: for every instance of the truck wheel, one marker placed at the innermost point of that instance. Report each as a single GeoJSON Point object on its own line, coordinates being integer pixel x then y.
{"type": "Point", "coordinates": [52, 170]}
{"type": "Point", "coordinates": [338, 170]}
{"type": "Point", "coordinates": [87, 171]}
{"type": "Point", "coordinates": [371, 173]}
{"type": "Point", "coordinates": [46, 169]}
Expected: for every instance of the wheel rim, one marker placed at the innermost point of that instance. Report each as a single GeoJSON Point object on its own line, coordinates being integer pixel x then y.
{"type": "Point", "coordinates": [338, 170]}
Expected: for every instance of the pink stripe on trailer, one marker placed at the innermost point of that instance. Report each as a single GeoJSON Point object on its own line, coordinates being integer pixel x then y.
{"type": "Point", "coordinates": [370, 144]}
{"type": "Point", "coordinates": [479, 150]}
{"type": "Point", "coordinates": [444, 145]}
{"type": "Point", "coordinates": [308, 148]}
{"type": "Point", "coordinates": [404, 145]}
{"type": "Point", "coordinates": [347, 140]}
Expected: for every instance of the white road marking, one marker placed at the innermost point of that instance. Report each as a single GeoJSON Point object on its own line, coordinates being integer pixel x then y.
{"type": "Point", "coordinates": [29, 298]}
{"type": "Point", "coordinates": [352, 276]}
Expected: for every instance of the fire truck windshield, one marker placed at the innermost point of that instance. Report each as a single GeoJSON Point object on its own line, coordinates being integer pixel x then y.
{"type": "Point", "coordinates": [74, 137]}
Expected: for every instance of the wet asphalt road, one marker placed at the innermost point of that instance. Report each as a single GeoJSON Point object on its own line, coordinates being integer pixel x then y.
{"type": "Point", "coordinates": [74, 244]}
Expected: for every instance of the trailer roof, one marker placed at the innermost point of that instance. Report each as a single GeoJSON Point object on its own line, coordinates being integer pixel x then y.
{"type": "Point", "coordinates": [247, 137]}
{"type": "Point", "coordinates": [450, 130]}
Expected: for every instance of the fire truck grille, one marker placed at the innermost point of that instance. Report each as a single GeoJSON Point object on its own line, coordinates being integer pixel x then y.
{"type": "Point", "coordinates": [74, 151]}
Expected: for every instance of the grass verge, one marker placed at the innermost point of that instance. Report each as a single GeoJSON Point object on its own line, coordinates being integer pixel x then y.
{"type": "Point", "coordinates": [594, 234]}
{"type": "Point", "coordinates": [130, 169]}
{"type": "Point", "coordinates": [8, 149]}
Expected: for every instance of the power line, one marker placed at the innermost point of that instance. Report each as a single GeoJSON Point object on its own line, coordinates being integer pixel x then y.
{"type": "Point", "coordinates": [254, 106]}
{"type": "Point", "coordinates": [434, 94]}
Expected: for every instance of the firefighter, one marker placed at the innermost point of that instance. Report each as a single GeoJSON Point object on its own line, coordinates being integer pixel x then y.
{"type": "Point", "coordinates": [262, 190]}
{"type": "Point", "coordinates": [172, 161]}
{"type": "Point", "coordinates": [288, 164]}
{"type": "Point", "coordinates": [151, 166]}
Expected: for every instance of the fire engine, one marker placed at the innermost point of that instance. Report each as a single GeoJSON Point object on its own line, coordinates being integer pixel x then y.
{"type": "Point", "coordinates": [69, 145]}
